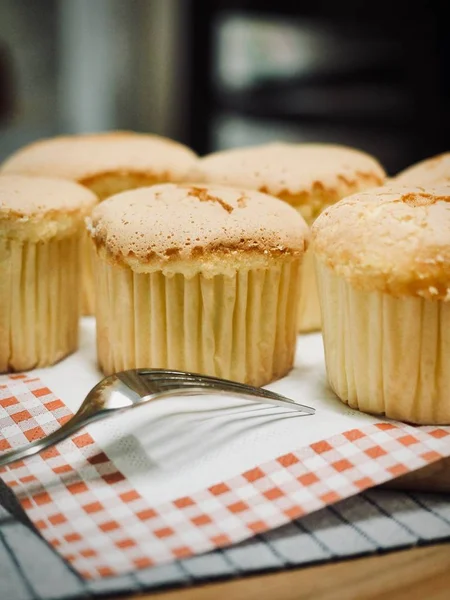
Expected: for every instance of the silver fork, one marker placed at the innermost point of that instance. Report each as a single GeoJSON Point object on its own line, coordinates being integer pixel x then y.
{"type": "Point", "coordinates": [128, 389]}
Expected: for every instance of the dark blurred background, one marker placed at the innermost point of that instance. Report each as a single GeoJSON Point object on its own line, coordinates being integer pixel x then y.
{"type": "Point", "coordinates": [217, 74]}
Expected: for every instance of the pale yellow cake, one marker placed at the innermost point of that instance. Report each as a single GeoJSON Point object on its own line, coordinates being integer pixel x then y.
{"type": "Point", "coordinates": [41, 230]}
{"type": "Point", "coordinates": [198, 278]}
{"type": "Point", "coordinates": [106, 163]}
{"type": "Point", "coordinates": [433, 171]}
{"type": "Point", "coordinates": [309, 177]}
{"type": "Point", "coordinates": [383, 264]}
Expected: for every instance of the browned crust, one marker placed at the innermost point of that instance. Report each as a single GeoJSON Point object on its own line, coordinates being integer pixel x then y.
{"type": "Point", "coordinates": [326, 194]}
{"type": "Point", "coordinates": [143, 176]}
{"type": "Point", "coordinates": [204, 196]}
{"type": "Point", "coordinates": [136, 249]}
{"type": "Point", "coordinates": [197, 253]}
{"type": "Point", "coordinates": [415, 199]}
{"type": "Point", "coordinates": [427, 281]}
{"type": "Point", "coordinates": [94, 175]}
{"type": "Point", "coordinates": [51, 214]}
{"type": "Point", "coordinates": [391, 265]}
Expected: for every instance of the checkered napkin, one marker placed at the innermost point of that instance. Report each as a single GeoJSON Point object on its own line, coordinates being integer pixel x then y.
{"type": "Point", "coordinates": [104, 521]}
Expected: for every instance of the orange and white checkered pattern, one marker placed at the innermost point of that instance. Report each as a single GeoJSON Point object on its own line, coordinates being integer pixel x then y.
{"type": "Point", "coordinates": [87, 509]}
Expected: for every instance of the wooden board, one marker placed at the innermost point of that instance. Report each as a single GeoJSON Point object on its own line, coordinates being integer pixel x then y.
{"type": "Point", "coordinates": [432, 478]}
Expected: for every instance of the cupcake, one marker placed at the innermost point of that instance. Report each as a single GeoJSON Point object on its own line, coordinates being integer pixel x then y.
{"type": "Point", "coordinates": [309, 177]}
{"type": "Point", "coordinates": [433, 171]}
{"type": "Point", "coordinates": [106, 163]}
{"type": "Point", "coordinates": [197, 278]}
{"type": "Point", "coordinates": [383, 267]}
{"type": "Point", "coordinates": [41, 225]}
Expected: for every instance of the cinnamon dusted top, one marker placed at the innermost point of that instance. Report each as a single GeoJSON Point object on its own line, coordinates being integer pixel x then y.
{"type": "Point", "coordinates": [304, 175]}
{"type": "Point", "coordinates": [195, 228]}
{"type": "Point", "coordinates": [86, 157]}
{"type": "Point", "coordinates": [37, 208]}
{"type": "Point", "coordinates": [393, 239]}
{"type": "Point", "coordinates": [432, 171]}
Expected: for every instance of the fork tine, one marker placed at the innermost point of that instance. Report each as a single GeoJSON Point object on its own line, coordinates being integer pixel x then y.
{"type": "Point", "coordinates": [184, 381]}
{"type": "Point", "coordinates": [180, 377]}
{"type": "Point", "coordinates": [161, 374]}
{"type": "Point", "coordinates": [273, 400]}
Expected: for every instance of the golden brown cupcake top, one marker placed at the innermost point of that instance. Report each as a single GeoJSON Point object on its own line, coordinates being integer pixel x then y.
{"type": "Point", "coordinates": [300, 174]}
{"type": "Point", "coordinates": [37, 208]}
{"type": "Point", "coordinates": [83, 158]}
{"type": "Point", "coordinates": [194, 228]}
{"type": "Point", "coordinates": [432, 171]}
{"type": "Point", "coordinates": [393, 239]}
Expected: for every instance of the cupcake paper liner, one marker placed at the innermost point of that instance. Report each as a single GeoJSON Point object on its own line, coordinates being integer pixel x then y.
{"type": "Point", "coordinates": [240, 327]}
{"type": "Point", "coordinates": [39, 285]}
{"type": "Point", "coordinates": [87, 275]}
{"type": "Point", "coordinates": [309, 316]}
{"type": "Point", "coordinates": [386, 355]}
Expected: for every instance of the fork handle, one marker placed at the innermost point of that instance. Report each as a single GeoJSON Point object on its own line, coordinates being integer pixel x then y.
{"type": "Point", "coordinates": [73, 425]}
{"type": "Point", "coordinates": [91, 413]}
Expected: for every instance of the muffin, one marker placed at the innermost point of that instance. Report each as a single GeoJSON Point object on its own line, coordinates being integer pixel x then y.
{"type": "Point", "coordinates": [383, 268]}
{"type": "Point", "coordinates": [106, 163]}
{"type": "Point", "coordinates": [309, 177]}
{"type": "Point", "coordinates": [433, 171]}
{"type": "Point", "coordinates": [197, 278]}
{"type": "Point", "coordinates": [41, 225]}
